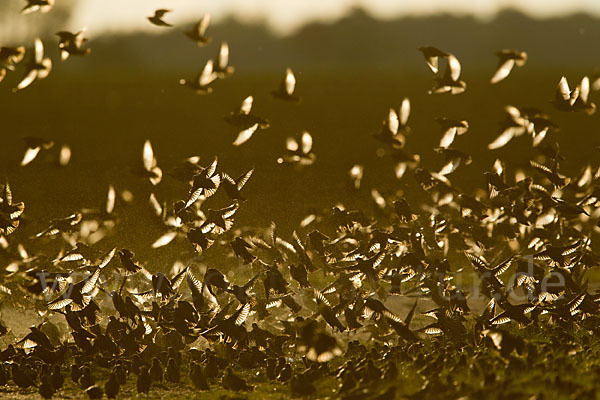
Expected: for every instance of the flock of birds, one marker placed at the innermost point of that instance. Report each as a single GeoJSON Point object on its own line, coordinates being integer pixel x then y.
{"type": "Point", "coordinates": [292, 301]}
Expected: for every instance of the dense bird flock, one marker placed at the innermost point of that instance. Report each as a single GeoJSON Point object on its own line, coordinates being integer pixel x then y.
{"type": "Point", "coordinates": [317, 313]}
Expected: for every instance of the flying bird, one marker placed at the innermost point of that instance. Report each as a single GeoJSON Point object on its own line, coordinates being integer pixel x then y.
{"type": "Point", "coordinates": [42, 6]}
{"type": "Point", "coordinates": [221, 67]}
{"type": "Point", "coordinates": [575, 99]}
{"type": "Point", "coordinates": [149, 168]}
{"type": "Point", "coordinates": [507, 60]}
{"type": "Point", "coordinates": [38, 67]}
{"type": "Point", "coordinates": [157, 20]}
{"type": "Point", "coordinates": [34, 145]}
{"type": "Point", "coordinates": [198, 32]}
{"type": "Point", "coordinates": [287, 88]}
{"type": "Point", "coordinates": [9, 57]}
{"type": "Point", "coordinates": [201, 83]}
{"type": "Point", "coordinates": [299, 151]}
{"type": "Point", "coordinates": [70, 44]}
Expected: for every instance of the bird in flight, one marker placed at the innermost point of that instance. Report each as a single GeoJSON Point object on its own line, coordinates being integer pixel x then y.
{"type": "Point", "coordinates": [38, 68]}
{"type": "Point", "coordinates": [507, 59]}
{"type": "Point", "coordinates": [287, 88]}
{"type": "Point", "coordinates": [70, 44]}
{"type": "Point", "coordinates": [202, 81]}
{"type": "Point", "coordinates": [157, 20]}
{"type": "Point", "coordinates": [198, 32]}
{"type": "Point", "coordinates": [42, 6]}
{"type": "Point", "coordinates": [9, 57]}
{"type": "Point", "coordinates": [221, 67]}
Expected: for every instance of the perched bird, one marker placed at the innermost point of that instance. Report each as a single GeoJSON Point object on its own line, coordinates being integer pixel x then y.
{"type": "Point", "coordinates": [233, 382]}
{"type": "Point", "coordinates": [507, 60]}
{"type": "Point", "coordinates": [39, 67]}
{"type": "Point", "coordinates": [70, 44]}
{"type": "Point", "coordinates": [144, 380]}
{"type": "Point", "coordinates": [157, 20]}
{"type": "Point", "coordinates": [287, 88]}
{"type": "Point", "coordinates": [172, 372]}
{"type": "Point", "coordinates": [198, 32]}
{"type": "Point", "coordinates": [112, 386]}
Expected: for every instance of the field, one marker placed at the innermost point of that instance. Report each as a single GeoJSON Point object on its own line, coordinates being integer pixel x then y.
{"type": "Point", "coordinates": [106, 105]}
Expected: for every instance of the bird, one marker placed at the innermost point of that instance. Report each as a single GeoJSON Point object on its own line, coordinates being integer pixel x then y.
{"type": "Point", "coordinates": [201, 83]}
{"type": "Point", "coordinates": [9, 58]}
{"type": "Point", "coordinates": [157, 20]}
{"type": "Point", "coordinates": [450, 129]}
{"type": "Point", "coordinates": [34, 146]}
{"type": "Point", "coordinates": [70, 44]}
{"type": "Point", "coordinates": [242, 117]}
{"type": "Point", "coordinates": [299, 152]}
{"type": "Point", "coordinates": [42, 6]}
{"type": "Point", "coordinates": [205, 183]}
{"type": "Point", "coordinates": [233, 187]}
{"type": "Point", "coordinates": [39, 67]}
{"type": "Point", "coordinates": [221, 67]}
{"type": "Point", "coordinates": [287, 88]}
{"type": "Point", "coordinates": [233, 382]}
{"type": "Point", "coordinates": [507, 60]}
{"type": "Point", "coordinates": [576, 99]}
{"type": "Point", "coordinates": [198, 32]}
{"type": "Point", "coordinates": [432, 56]}
{"type": "Point", "coordinates": [149, 168]}
{"type": "Point", "coordinates": [144, 381]}
{"type": "Point", "coordinates": [112, 386]}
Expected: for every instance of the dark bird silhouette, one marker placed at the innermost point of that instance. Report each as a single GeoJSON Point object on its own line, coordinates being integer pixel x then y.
{"type": "Point", "coordinates": [507, 60]}
{"type": "Point", "coordinates": [198, 31]}
{"type": "Point", "coordinates": [201, 83]}
{"type": "Point", "coordinates": [287, 88]}
{"type": "Point", "coordinates": [39, 67]}
{"type": "Point", "coordinates": [71, 44]}
{"type": "Point", "coordinates": [157, 20]}
{"type": "Point", "coordinates": [42, 6]}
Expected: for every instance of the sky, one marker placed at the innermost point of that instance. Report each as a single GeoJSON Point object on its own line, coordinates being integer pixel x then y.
{"type": "Point", "coordinates": [284, 16]}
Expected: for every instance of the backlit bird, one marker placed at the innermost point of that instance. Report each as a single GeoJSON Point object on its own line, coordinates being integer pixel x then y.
{"type": "Point", "coordinates": [287, 88]}
{"type": "Point", "coordinates": [39, 67]}
{"type": "Point", "coordinates": [221, 67]}
{"type": "Point", "coordinates": [507, 60]}
{"type": "Point", "coordinates": [198, 31]}
{"type": "Point", "coordinates": [70, 44]}
{"type": "Point", "coordinates": [200, 84]}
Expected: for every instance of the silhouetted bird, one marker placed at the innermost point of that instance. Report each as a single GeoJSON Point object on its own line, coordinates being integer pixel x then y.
{"type": "Point", "coordinates": [39, 67]}
{"type": "Point", "coordinates": [198, 31]}
{"type": "Point", "coordinates": [157, 20]}
{"type": "Point", "coordinates": [287, 88]}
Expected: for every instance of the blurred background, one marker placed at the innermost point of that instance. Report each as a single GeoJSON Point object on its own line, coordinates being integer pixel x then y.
{"type": "Point", "coordinates": [353, 60]}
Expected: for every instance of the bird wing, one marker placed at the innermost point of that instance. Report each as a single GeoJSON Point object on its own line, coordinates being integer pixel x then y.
{"type": "Point", "coordinates": [30, 155]}
{"type": "Point", "coordinates": [289, 82]}
{"type": "Point", "coordinates": [503, 70]}
{"type": "Point", "coordinates": [148, 156]}
{"type": "Point", "coordinates": [202, 25]}
{"type": "Point", "coordinates": [307, 142]}
{"type": "Point", "coordinates": [246, 106]}
{"type": "Point", "coordinates": [404, 111]}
